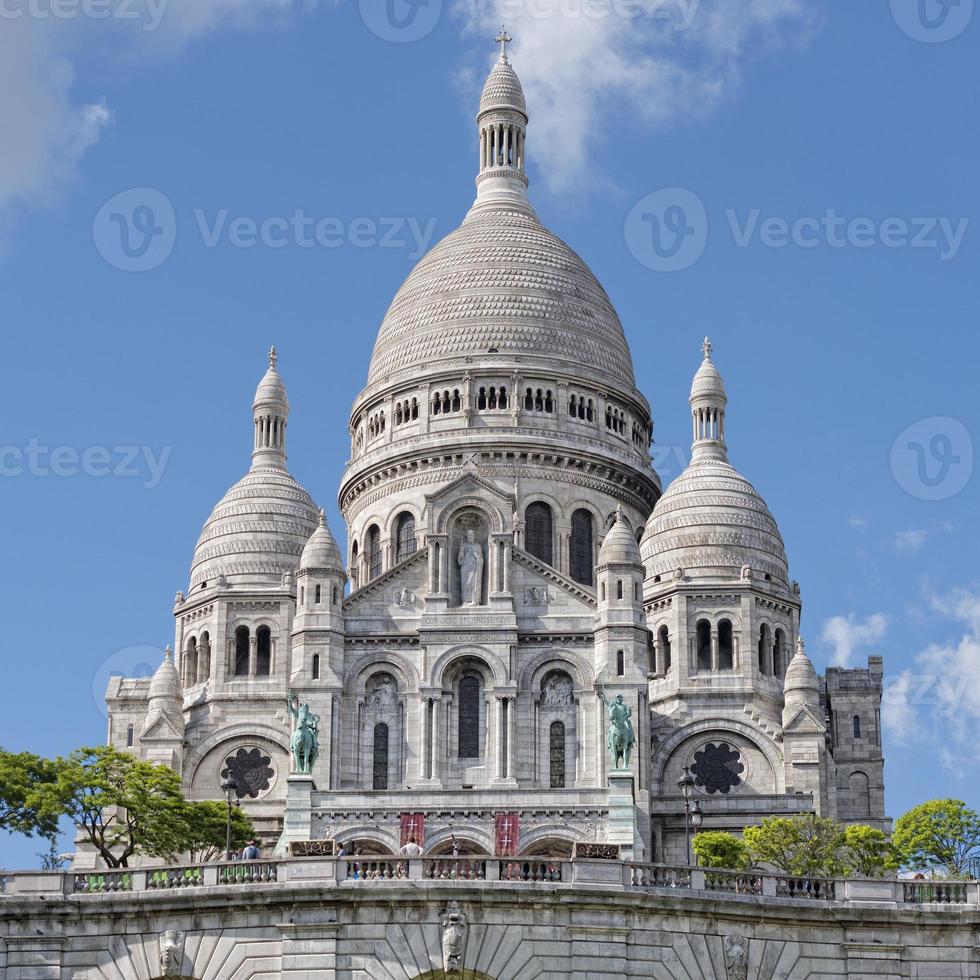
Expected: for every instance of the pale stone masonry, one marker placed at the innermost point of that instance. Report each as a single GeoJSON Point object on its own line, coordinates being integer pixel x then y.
{"type": "Point", "coordinates": [312, 920]}
{"type": "Point", "coordinates": [509, 553]}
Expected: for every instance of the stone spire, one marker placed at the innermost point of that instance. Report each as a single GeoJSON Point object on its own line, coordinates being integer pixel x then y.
{"type": "Point", "coordinates": [502, 123]}
{"type": "Point", "coordinates": [708, 404]}
{"type": "Point", "coordinates": [270, 411]}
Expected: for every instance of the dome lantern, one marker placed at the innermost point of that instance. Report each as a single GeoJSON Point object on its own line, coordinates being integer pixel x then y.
{"type": "Point", "coordinates": [270, 412]}
{"type": "Point", "coordinates": [708, 403]}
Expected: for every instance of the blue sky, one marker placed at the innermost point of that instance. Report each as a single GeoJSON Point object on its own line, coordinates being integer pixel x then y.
{"type": "Point", "coordinates": [821, 157]}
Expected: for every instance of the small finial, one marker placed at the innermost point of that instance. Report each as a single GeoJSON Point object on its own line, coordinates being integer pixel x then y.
{"type": "Point", "coordinates": [168, 653]}
{"type": "Point", "coordinates": [323, 517]}
{"type": "Point", "coordinates": [619, 513]}
{"type": "Point", "coordinates": [707, 348]}
{"type": "Point", "coordinates": [503, 39]}
{"type": "Point", "coordinates": [273, 356]}
{"type": "Point", "coordinates": [800, 646]}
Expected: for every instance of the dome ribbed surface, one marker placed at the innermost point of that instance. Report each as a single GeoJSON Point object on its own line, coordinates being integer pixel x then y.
{"type": "Point", "coordinates": [502, 281]}
{"type": "Point", "coordinates": [619, 545]}
{"type": "Point", "coordinates": [271, 389]}
{"type": "Point", "coordinates": [801, 678]}
{"type": "Point", "coordinates": [708, 381]}
{"type": "Point", "coordinates": [711, 522]}
{"type": "Point", "coordinates": [165, 683]}
{"type": "Point", "coordinates": [256, 532]}
{"type": "Point", "coordinates": [321, 550]}
{"type": "Point", "coordinates": [503, 89]}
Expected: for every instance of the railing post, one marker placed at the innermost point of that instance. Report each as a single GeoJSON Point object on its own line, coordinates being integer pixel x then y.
{"type": "Point", "coordinates": [210, 875]}
{"type": "Point", "coordinates": [415, 869]}
{"type": "Point", "coordinates": [493, 869]}
{"type": "Point", "coordinates": [697, 880]}
{"type": "Point", "coordinates": [139, 881]}
{"type": "Point", "coordinates": [769, 886]}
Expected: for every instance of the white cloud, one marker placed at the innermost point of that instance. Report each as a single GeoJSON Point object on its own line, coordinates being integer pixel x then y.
{"type": "Point", "coordinates": [912, 540]}
{"type": "Point", "coordinates": [47, 129]}
{"type": "Point", "coordinates": [847, 635]}
{"type": "Point", "coordinates": [941, 694]}
{"type": "Point", "coordinates": [654, 60]}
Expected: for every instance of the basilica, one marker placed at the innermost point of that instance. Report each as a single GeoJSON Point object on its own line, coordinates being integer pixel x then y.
{"type": "Point", "coordinates": [512, 568]}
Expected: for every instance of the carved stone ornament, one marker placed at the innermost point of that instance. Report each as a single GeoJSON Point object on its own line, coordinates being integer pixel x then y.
{"type": "Point", "coordinates": [313, 848]}
{"type": "Point", "coordinates": [453, 939]}
{"type": "Point", "coordinates": [737, 957]}
{"type": "Point", "coordinates": [596, 852]}
{"type": "Point", "coordinates": [171, 953]}
{"type": "Point", "coordinates": [536, 595]}
{"type": "Point", "coordinates": [557, 693]}
{"type": "Point", "coordinates": [405, 599]}
{"type": "Point", "coordinates": [252, 771]}
{"type": "Point", "coordinates": [383, 694]}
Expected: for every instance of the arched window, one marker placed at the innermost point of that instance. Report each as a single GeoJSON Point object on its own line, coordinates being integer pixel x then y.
{"type": "Point", "coordinates": [263, 651]}
{"type": "Point", "coordinates": [469, 717]}
{"type": "Point", "coordinates": [620, 663]}
{"type": "Point", "coordinates": [557, 754]}
{"type": "Point", "coordinates": [704, 645]}
{"type": "Point", "coordinates": [241, 651]}
{"type": "Point", "coordinates": [778, 654]}
{"type": "Point", "coordinates": [406, 536]}
{"type": "Point", "coordinates": [380, 756]}
{"type": "Point", "coordinates": [619, 588]}
{"type": "Point", "coordinates": [726, 646]}
{"type": "Point", "coordinates": [354, 572]}
{"type": "Point", "coordinates": [581, 556]}
{"type": "Point", "coordinates": [204, 657]}
{"type": "Point", "coordinates": [539, 532]}
{"type": "Point", "coordinates": [317, 596]}
{"type": "Point", "coordinates": [190, 663]}
{"type": "Point", "coordinates": [857, 726]}
{"type": "Point", "coordinates": [130, 736]}
{"type": "Point", "coordinates": [315, 667]}
{"type": "Point", "coordinates": [763, 648]}
{"type": "Point", "coordinates": [374, 552]}
{"type": "Point", "coordinates": [665, 648]}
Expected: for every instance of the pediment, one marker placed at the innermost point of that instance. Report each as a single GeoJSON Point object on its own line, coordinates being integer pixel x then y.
{"type": "Point", "coordinates": [470, 488]}
{"type": "Point", "coordinates": [805, 722]}
{"type": "Point", "coordinates": [540, 589]}
{"type": "Point", "coordinates": [400, 591]}
{"type": "Point", "coordinates": [160, 728]}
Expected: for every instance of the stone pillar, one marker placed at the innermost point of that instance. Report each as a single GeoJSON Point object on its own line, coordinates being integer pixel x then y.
{"type": "Point", "coordinates": [498, 748]}
{"type": "Point", "coordinates": [424, 769]}
{"type": "Point", "coordinates": [253, 646]}
{"type": "Point", "coordinates": [298, 823]}
{"type": "Point", "coordinates": [511, 735]}
{"type": "Point", "coordinates": [715, 656]}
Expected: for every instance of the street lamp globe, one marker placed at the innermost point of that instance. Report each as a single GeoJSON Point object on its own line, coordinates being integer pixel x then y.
{"type": "Point", "coordinates": [686, 783]}
{"type": "Point", "coordinates": [697, 815]}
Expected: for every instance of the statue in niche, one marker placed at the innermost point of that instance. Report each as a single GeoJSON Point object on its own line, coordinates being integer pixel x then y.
{"type": "Point", "coordinates": [171, 953]}
{"type": "Point", "coordinates": [470, 561]}
{"type": "Point", "coordinates": [453, 939]}
{"type": "Point", "coordinates": [558, 692]}
{"type": "Point", "coordinates": [384, 694]}
{"type": "Point", "coordinates": [737, 957]}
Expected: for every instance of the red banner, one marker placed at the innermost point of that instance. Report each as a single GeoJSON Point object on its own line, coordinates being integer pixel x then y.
{"type": "Point", "coordinates": [508, 834]}
{"type": "Point", "coordinates": [413, 825]}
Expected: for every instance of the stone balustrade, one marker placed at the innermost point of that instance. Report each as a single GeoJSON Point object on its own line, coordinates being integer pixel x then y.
{"type": "Point", "coordinates": [364, 871]}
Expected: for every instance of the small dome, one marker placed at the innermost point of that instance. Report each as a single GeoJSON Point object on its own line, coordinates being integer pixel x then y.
{"type": "Point", "coordinates": [257, 531]}
{"type": "Point", "coordinates": [708, 382]}
{"type": "Point", "coordinates": [503, 90]}
{"type": "Point", "coordinates": [801, 684]}
{"type": "Point", "coordinates": [321, 550]}
{"type": "Point", "coordinates": [165, 685]}
{"type": "Point", "coordinates": [619, 546]}
{"type": "Point", "coordinates": [711, 522]}
{"type": "Point", "coordinates": [271, 388]}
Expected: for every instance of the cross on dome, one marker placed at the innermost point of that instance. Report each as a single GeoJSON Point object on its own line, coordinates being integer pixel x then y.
{"type": "Point", "coordinates": [503, 39]}
{"type": "Point", "coordinates": [707, 348]}
{"type": "Point", "coordinates": [273, 356]}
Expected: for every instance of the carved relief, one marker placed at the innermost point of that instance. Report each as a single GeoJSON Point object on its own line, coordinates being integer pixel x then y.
{"type": "Point", "coordinates": [171, 953]}
{"type": "Point", "coordinates": [453, 939]}
{"type": "Point", "coordinates": [737, 957]}
{"type": "Point", "coordinates": [536, 595]}
{"type": "Point", "coordinates": [557, 692]}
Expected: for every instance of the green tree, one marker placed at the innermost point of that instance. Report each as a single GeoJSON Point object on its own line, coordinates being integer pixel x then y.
{"type": "Point", "coordinates": [868, 853]}
{"type": "Point", "coordinates": [716, 849]}
{"type": "Point", "coordinates": [207, 829]}
{"type": "Point", "coordinates": [124, 806]}
{"type": "Point", "coordinates": [21, 809]}
{"type": "Point", "coordinates": [940, 833]}
{"type": "Point", "coordinates": [806, 845]}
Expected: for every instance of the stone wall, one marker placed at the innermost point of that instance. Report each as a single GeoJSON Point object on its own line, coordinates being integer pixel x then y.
{"type": "Point", "coordinates": [600, 920]}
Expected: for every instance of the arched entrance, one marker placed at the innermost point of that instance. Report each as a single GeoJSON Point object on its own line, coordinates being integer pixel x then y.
{"type": "Point", "coordinates": [464, 848]}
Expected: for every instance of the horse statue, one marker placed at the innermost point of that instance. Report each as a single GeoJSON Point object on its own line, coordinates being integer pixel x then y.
{"type": "Point", "coordinates": [305, 743]}
{"type": "Point", "coordinates": [621, 738]}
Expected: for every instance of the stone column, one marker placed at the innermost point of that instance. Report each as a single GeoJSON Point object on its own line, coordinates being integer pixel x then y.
{"type": "Point", "coordinates": [511, 736]}
{"type": "Point", "coordinates": [253, 646]}
{"type": "Point", "coordinates": [498, 747]}
{"type": "Point", "coordinates": [425, 744]}
{"type": "Point", "coordinates": [715, 655]}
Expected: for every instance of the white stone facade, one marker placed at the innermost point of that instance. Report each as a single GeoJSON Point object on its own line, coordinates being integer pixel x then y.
{"type": "Point", "coordinates": [498, 487]}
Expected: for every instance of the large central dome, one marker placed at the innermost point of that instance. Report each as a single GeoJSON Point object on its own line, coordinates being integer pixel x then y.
{"type": "Point", "coordinates": [502, 282]}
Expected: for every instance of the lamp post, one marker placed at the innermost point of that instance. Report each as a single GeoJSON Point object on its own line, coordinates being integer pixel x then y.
{"type": "Point", "coordinates": [693, 815]}
{"type": "Point", "coordinates": [230, 788]}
